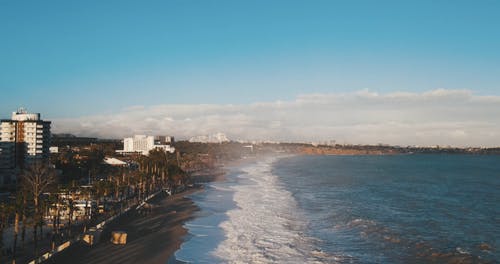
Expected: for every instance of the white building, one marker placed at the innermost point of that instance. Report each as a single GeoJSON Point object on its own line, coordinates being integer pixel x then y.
{"type": "Point", "coordinates": [114, 162]}
{"type": "Point", "coordinates": [54, 149]}
{"type": "Point", "coordinates": [143, 144]}
{"type": "Point", "coordinates": [24, 138]}
{"type": "Point", "coordinates": [214, 138]}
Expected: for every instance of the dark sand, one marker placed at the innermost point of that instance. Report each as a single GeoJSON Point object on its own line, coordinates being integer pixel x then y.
{"type": "Point", "coordinates": [151, 238]}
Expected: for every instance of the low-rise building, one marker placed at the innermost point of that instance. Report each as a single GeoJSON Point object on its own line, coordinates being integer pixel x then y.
{"type": "Point", "coordinates": [143, 144]}
{"type": "Point", "coordinates": [114, 162]}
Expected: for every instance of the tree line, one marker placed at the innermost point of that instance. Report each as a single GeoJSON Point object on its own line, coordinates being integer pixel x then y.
{"type": "Point", "coordinates": [42, 196]}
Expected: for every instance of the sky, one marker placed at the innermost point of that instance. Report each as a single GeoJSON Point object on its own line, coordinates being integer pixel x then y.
{"type": "Point", "coordinates": [115, 68]}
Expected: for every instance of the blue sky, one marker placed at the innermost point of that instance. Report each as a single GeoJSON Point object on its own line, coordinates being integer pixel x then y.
{"type": "Point", "coordinates": [72, 58]}
{"type": "Point", "coordinates": [81, 62]}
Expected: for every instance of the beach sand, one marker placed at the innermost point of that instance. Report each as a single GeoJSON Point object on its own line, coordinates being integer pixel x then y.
{"type": "Point", "coordinates": [151, 238]}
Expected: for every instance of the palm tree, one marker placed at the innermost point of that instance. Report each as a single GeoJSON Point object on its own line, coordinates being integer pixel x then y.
{"type": "Point", "coordinates": [19, 213]}
{"type": "Point", "coordinates": [55, 203]}
{"type": "Point", "coordinates": [71, 209]}
{"type": "Point", "coordinates": [5, 211]}
{"type": "Point", "coordinates": [24, 213]}
{"type": "Point", "coordinates": [88, 194]}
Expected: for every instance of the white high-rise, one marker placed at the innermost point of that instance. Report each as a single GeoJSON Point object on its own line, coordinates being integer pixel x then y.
{"type": "Point", "coordinates": [24, 138]}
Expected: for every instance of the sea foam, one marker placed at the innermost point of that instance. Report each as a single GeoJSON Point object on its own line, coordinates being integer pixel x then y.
{"type": "Point", "coordinates": [267, 226]}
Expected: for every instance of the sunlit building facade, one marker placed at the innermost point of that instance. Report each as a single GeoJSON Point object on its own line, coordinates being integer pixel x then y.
{"type": "Point", "coordinates": [24, 139]}
{"type": "Point", "coordinates": [143, 144]}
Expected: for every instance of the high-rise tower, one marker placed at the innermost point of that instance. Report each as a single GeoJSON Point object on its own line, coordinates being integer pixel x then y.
{"type": "Point", "coordinates": [24, 139]}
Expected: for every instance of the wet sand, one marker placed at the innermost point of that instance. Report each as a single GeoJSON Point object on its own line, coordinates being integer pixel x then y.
{"type": "Point", "coordinates": [151, 238]}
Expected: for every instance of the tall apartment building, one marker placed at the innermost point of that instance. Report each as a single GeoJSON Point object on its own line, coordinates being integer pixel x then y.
{"type": "Point", "coordinates": [143, 144]}
{"type": "Point", "coordinates": [24, 138]}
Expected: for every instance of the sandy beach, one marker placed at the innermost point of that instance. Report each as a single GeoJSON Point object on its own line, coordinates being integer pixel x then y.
{"type": "Point", "coordinates": [152, 238]}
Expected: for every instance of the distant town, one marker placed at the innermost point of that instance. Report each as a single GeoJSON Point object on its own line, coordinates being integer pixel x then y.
{"type": "Point", "coordinates": [59, 188]}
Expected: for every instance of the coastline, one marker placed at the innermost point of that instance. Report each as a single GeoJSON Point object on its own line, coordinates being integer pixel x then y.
{"type": "Point", "coordinates": [151, 238]}
{"type": "Point", "coordinates": [217, 174]}
{"type": "Point", "coordinates": [215, 204]}
{"type": "Point", "coordinates": [157, 237]}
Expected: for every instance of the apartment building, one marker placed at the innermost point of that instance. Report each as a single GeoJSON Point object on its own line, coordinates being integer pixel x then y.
{"type": "Point", "coordinates": [24, 139]}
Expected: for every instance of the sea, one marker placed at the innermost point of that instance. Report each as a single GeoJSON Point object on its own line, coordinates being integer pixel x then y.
{"type": "Point", "coordinates": [420, 208]}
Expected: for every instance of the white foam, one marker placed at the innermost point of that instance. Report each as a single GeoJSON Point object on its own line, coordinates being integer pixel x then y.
{"type": "Point", "coordinates": [220, 188]}
{"type": "Point", "coordinates": [462, 251]}
{"type": "Point", "coordinates": [196, 225]}
{"type": "Point", "coordinates": [267, 225]}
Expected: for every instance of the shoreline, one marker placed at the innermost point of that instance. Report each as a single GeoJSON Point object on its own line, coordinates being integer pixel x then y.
{"type": "Point", "coordinates": [217, 174]}
{"type": "Point", "coordinates": [162, 247]}
{"type": "Point", "coordinates": [152, 238]}
{"type": "Point", "coordinates": [227, 168]}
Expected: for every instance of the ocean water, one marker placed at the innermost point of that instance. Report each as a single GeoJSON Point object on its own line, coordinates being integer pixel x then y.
{"type": "Point", "coordinates": [350, 209]}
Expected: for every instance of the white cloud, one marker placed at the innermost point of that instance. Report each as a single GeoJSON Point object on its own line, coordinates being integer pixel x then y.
{"type": "Point", "coordinates": [444, 117]}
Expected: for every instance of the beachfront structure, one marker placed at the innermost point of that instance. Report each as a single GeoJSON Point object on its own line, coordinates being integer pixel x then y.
{"type": "Point", "coordinates": [143, 144]}
{"type": "Point", "coordinates": [82, 203]}
{"type": "Point", "coordinates": [114, 162]}
{"type": "Point", "coordinates": [24, 139]}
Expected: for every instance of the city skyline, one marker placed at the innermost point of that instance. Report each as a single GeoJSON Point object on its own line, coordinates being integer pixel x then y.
{"type": "Point", "coordinates": [422, 73]}
{"type": "Point", "coordinates": [439, 117]}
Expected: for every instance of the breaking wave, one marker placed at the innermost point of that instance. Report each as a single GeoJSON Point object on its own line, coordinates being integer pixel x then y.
{"type": "Point", "coordinates": [267, 226]}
